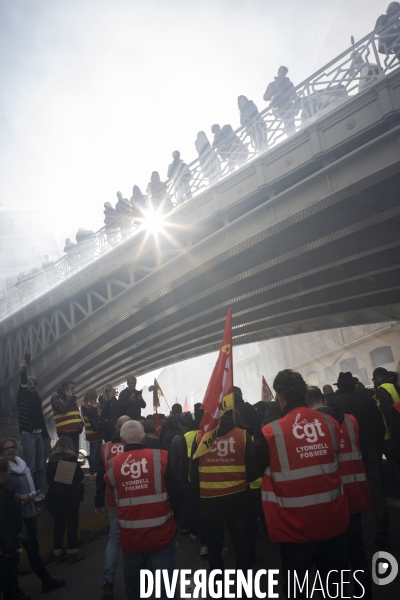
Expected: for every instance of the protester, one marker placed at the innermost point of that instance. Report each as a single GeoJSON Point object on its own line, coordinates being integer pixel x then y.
{"type": "Point", "coordinates": [389, 39]}
{"type": "Point", "coordinates": [180, 173]}
{"type": "Point", "coordinates": [372, 431]}
{"type": "Point", "coordinates": [328, 392]}
{"type": "Point", "coordinates": [20, 480]}
{"type": "Point", "coordinates": [219, 142]}
{"type": "Point", "coordinates": [139, 204]}
{"type": "Point", "coordinates": [10, 528]}
{"type": "Point", "coordinates": [91, 414]}
{"type": "Point", "coordinates": [168, 431]}
{"type": "Point", "coordinates": [108, 451]}
{"type": "Point", "coordinates": [108, 403]}
{"type": "Point", "coordinates": [111, 223]}
{"type": "Point", "coordinates": [63, 501]}
{"type": "Point", "coordinates": [187, 521]}
{"type": "Point", "coordinates": [32, 427]}
{"type": "Point", "coordinates": [356, 488]}
{"type": "Point", "coordinates": [222, 490]}
{"type": "Point", "coordinates": [394, 425]}
{"type": "Point", "coordinates": [66, 413]}
{"type": "Point", "coordinates": [123, 209]}
{"type": "Point", "coordinates": [236, 151]}
{"type": "Point", "coordinates": [157, 192]}
{"type": "Point", "coordinates": [130, 400]}
{"type": "Point", "coordinates": [152, 544]}
{"type": "Point", "coordinates": [72, 255]}
{"type": "Point", "coordinates": [47, 263]}
{"type": "Point", "coordinates": [305, 508]}
{"type": "Point", "coordinates": [386, 390]}
{"type": "Point", "coordinates": [209, 162]}
{"type": "Point", "coordinates": [86, 245]}
{"type": "Point", "coordinates": [151, 440]}
{"type": "Point", "coordinates": [280, 94]}
{"type": "Point", "coordinates": [247, 411]}
{"type": "Point", "coordinates": [251, 118]}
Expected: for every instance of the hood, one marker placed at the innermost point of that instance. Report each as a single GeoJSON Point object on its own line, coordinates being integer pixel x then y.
{"type": "Point", "coordinates": [391, 377]}
{"type": "Point", "coordinates": [333, 412]}
{"type": "Point", "coordinates": [226, 424]}
{"type": "Point", "coordinates": [67, 455]}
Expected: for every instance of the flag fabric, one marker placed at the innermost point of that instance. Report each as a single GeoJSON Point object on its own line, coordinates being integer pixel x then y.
{"type": "Point", "coordinates": [176, 399]}
{"type": "Point", "coordinates": [219, 396]}
{"type": "Point", "coordinates": [186, 407]}
{"type": "Point", "coordinates": [266, 394]}
{"type": "Point", "coordinates": [157, 393]}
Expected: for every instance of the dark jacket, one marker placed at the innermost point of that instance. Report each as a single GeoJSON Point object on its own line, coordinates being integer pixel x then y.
{"type": "Point", "coordinates": [250, 416]}
{"type": "Point", "coordinates": [152, 441]}
{"type": "Point", "coordinates": [131, 408]}
{"type": "Point", "coordinates": [364, 409]}
{"type": "Point", "coordinates": [10, 521]}
{"type": "Point", "coordinates": [175, 454]}
{"type": "Point", "coordinates": [59, 492]}
{"type": "Point", "coordinates": [394, 425]}
{"type": "Point", "coordinates": [166, 438]}
{"type": "Point", "coordinates": [228, 507]}
{"type": "Point", "coordinates": [384, 397]}
{"type": "Point", "coordinates": [172, 483]}
{"type": "Point", "coordinates": [29, 406]}
{"type": "Point", "coordinates": [109, 413]}
{"type": "Point", "coordinates": [110, 218]}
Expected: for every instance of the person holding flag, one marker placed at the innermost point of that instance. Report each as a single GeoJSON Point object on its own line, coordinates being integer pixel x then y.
{"type": "Point", "coordinates": [221, 462]}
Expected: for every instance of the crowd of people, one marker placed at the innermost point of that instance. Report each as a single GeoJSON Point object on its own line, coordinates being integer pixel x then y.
{"type": "Point", "coordinates": [302, 469]}
{"type": "Point", "coordinates": [226, 148]}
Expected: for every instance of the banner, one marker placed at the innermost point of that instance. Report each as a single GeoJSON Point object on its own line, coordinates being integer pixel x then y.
{"type": "Point", "coordinates": [219, 396]}
{"type": "Point", "coordinates": [157, 394]}
{"type": "Point", "coordinates": [186, 407]}
{"type": "Point", "coordinates": [266, 394]}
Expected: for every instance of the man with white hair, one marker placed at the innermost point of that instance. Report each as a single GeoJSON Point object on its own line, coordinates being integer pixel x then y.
{"type": "Point", "coordinates": [149, 499]}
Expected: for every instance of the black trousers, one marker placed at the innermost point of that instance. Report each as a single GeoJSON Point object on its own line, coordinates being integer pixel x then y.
{"type": "Point", "coordinates": [9, 576]}
{"type": "Point", "coordinates": [74, 436]}
{"type": "Point", "coordinates": [329, 555]}
{"type": "Point", "coordinates": [66, 517]}
{"type": "Point", "coordinates": [31, 546]}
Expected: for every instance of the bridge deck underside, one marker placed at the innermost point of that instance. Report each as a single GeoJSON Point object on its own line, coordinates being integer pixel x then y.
{"type": "Point", "coordinates": [341, 267]}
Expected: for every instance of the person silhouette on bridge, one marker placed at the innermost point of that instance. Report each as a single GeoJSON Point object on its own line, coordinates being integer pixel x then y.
{"type": "Point", "coordinates": [157, 192]}
{"type": "Point", "coordinates": [123, 209]}
{"type": "Point", "coordinates": [209, 162]}
{"type": "Point", "coordinates": [180, 173]}
{"type": "Point", "coordinates": [255, 125]}
{"type": "Point", "coordinates": [389, 40]}
{"type": "Point", "coordinates": [280, 94]}
{"type": "Point", "coordinates": [110, 223]}
{"type": "Point", "coordinates": [139, 204]}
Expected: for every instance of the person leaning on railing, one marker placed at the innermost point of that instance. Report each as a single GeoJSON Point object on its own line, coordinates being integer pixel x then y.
{"type": "Point", "coordinates": [389, 39]}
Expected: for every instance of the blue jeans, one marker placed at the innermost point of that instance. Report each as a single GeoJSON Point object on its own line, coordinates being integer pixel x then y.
{"type": "Point", "coordinates": [94, 455]}
{"type": "Point", "coordinates": [378, 497]}
{"type": "Point", "coordinates": [162, 559]}
{"type": "Point", "coordinates": [33, 446]}
{"type": "Point", "coordinates": [111, 557]}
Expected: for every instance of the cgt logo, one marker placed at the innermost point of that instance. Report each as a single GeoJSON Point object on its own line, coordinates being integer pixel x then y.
{"type": "Point", "coordinates": [309, 431]}
{"type": "Point", "coordinates": [133, 467]}
{"type": "Point", "coordinates": [222, 447]}
{"type": "Point", "coordinates": [117, 449]}
{"type": "Point", "coordinates": [384, 568]}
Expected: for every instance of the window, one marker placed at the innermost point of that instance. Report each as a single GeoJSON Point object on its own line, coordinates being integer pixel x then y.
{"type": "Point", "coordinates": [300, 340]}
{"type": "Point", "coordinates": [336, 337]}
{"type": "Point", "coordinates": [311, 344]}
{"type": "Point", "coordinates": [382, 356]}
{"type": "Point", "coordinates": [366, 328]}
{"type": "Point", "coordinates": [349, 364]}
{"type": "Point", "coordinates": [330, 374]}
{"type": "Point", "coordinates": [312, 378]}
{"type": "Point", "coordinates": [350, 334]}
{"type": "Point", "coordinates": [322, 340]}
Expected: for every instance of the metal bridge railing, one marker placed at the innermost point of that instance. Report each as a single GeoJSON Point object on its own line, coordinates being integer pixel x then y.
{"type": "Point", "coordinates": [357, 68]}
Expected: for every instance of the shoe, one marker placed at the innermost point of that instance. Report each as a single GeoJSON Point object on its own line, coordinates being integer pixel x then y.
{"type": "Point", "coordinates": [20, 595]}
{"type": "Point", "coordinates": [108, 591]}
{"type": "Point", "coordinates": [50, 584]}
{"type": "Point", "coordinates": [184, 531]}
{"type": "Point", "coordinates": [194, 537]}
{"type": "Point", "coordinates": [224, 552]}
{"type": "Point", "coordinates": [59, 558]}
{"type": "Point", "coordinates": [74, 558]}
{"type": "Point", "coordinates": [203, 551]}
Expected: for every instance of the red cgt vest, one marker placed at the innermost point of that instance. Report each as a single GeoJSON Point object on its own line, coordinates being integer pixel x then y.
{"type": "Point", "coordinates": [351, 467]}
{"type": "Point", "coordinates": [69, 421]}
{"type": "Point", "coordinates": [302, 494]}
{"type": "Point", "coordinates": [108, 451]}
{"type": "Point", "coordinates": [222, 471]}
{"type": "Point", "coordinates": [91, 435]}
{"type": "Point", "coordinates": [144, 512]}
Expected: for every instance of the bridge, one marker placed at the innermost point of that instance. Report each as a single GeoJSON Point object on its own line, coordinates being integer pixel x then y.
{"type": "Point", "coordinates": [304, 236]}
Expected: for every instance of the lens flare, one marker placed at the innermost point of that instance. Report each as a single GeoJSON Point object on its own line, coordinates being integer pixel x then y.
{"type": "Point", "coordinates": [154, 221]}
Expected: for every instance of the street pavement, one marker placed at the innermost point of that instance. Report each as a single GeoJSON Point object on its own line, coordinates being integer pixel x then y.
{"type": "Point", "coordinates": [84, 578]}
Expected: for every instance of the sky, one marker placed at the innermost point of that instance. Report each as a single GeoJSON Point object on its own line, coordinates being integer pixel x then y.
{"type": "Point", "coordinates": [96, 94]}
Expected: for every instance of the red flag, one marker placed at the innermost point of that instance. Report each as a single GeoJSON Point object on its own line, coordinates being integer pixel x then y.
{"type": "Point", "coordinates": [176, 400]}
{"type": "Point", "coordinates": [219, 395]}
{"type": "Point", "coordinates": [186, 407]}
{"type": "Point", "coordinates": [266, 394]}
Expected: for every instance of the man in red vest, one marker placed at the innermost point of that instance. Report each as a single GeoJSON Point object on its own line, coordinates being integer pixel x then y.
{"type": "Point", "coordinates": [149, 498]}
{"type": "Point", "coordinates": [305, 507]}
{"type": "Point", "coordinates": [108, 451]}
{"type": "Point", "coordinates": [356, 486]}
